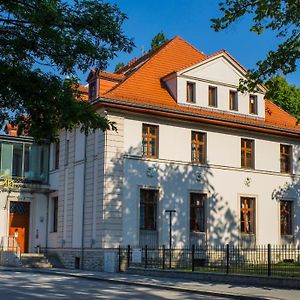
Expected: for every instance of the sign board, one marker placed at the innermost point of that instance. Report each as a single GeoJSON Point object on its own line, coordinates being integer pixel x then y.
{"type": "Point", "coordinates": [137, 255]}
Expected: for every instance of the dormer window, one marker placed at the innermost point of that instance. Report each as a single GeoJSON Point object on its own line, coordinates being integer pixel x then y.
{"type": "Point", "coordinates": [212, 96]}
{"type": "Point", "coordinates": [92, 90]}
{"type": "Point", "coordinates": [253, 104]}
{"type": "Point", "coordinates": [233, 100]}
{"type": "Point", "coordinates": [190, 92]}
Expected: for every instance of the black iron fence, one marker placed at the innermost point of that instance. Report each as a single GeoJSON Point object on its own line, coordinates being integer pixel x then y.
{"type": "Point", "coordinates": [279, 260]}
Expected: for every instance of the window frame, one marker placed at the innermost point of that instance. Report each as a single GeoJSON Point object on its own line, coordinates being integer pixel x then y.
{"type": "Point", "coordinates": [147, 203]}
{"type": "Point", "coordinates": [190, 92]}
{"type": "Point", "coordinates": [212, 101]}
{"type": "Point", "coordinates": [245, 150]}
{"type": "Point", "coordinates": [286, 167]}
{"type": "Point", "coordinates": [233, 101]}
{"type": "Point", "coordinates": [199, 143]}
{"type": "Point", "coordinates": [244, 219]}
{"type": "Point", "coordinates": [194, 213]}
{"type": "Point", "coordinates": [253, 109]}
{"type": "Point", "coordinates": [287, 231]}
{"type": "Point", "coordinates": [147, 137]}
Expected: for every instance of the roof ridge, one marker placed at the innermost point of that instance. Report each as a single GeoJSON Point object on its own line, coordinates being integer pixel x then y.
{"type": "Point", "coordinates": [176, 37]}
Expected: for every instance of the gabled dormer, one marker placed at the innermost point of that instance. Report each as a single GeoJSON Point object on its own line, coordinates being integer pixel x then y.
{"type": "Point", "coordinates": [212, 84]}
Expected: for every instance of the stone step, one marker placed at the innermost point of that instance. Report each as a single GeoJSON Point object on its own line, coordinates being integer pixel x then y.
{"type": "Point", "coordinates": [35, 260]}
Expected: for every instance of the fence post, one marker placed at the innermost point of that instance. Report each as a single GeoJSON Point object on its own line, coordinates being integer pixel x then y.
{"type": "Point", "coordinates": [128, 256]}
{"type": "Point", "coordinates": [193, 258]}
{"type": "Point", "coordinates": [146, 256]}
{"type": "Point", "coordinates": [227, 258]}
{"type": "Point", "coordinates": [120, 258]}
{"type": "Point", "coordinates": [163, 257]}
{"type": "Point", "coordinates": [269, 259]}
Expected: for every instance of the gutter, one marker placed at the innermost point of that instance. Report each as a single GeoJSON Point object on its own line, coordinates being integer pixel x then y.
{"type": "Point", "coordinates": [168, 111]}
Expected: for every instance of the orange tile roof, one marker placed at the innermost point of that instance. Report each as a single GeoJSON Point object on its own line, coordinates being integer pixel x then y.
{"type": "Point", "coordinates": [143, 87]}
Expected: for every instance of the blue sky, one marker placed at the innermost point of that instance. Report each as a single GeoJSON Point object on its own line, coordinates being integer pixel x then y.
{"type": "Point", "coordinates": [190, 19]}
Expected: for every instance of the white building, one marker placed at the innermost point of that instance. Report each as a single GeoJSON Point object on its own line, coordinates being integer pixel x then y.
{"type": "Point", "coordinates": [227, 162]}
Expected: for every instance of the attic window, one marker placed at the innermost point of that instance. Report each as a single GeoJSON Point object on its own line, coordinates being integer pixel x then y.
{"type": "Point", "coordinates": [212, 96]}
{"type": "Point", "coordinates": [253, 104]}
{"type": "Point", "coordinates": [190, 92]}
{"type": "Point", "coordinates": [92, 90]}
{"type": "Point", "coordinates": [233, 100]}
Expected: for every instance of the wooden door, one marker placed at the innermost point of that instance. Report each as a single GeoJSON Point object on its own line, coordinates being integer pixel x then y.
{"type": "Point", "coordinates": [19, 223]}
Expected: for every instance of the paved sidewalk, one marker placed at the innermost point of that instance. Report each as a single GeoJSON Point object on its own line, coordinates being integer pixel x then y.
{"type": "Point", "coordinates": [204, 288]}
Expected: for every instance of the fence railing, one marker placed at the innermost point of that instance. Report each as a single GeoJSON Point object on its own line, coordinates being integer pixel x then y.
{"type": "Point", "coordinates": [10, 243]}
{"type": "Point", "coordinates": [269, 260]}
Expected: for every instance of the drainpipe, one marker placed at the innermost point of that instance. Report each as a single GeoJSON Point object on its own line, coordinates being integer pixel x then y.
{"type": "Point", "coordinates": [83, 201]}
{"type": "Point", "coordinates": [47, 221]}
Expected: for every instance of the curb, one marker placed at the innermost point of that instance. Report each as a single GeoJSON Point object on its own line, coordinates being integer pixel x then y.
{"type": "Point", "coordinates": [135, 283]}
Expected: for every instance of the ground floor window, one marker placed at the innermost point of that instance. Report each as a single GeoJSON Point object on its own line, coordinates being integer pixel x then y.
{"type": "Point", "coordinates": [54, 214]}
{"type": "Point", "coordinates": [197, 212]}
{"type": "Point", "coordinates": [247, 215]}
{"type": "Point", "coordinates": [148, 209]}
{"type": "Point", "coordinates": [286, 217]}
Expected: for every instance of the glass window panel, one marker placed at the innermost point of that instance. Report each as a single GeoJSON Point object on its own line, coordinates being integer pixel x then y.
{"type": "Point", "coordinates": [17, 160]}
{"type": "Point", "coordinates": [6, 159]}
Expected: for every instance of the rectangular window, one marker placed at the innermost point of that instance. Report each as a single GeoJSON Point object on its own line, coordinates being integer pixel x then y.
{"type": "Point", "coordinates": [55, 214]}
{"type": "Point", "coordinates": [286, 217]}
{"type": "Point", "coordinates": [212, 96]}
{"type": "Point", "coordinates": [197, 212]}
{"type": "Point", "coordinates": [17, 160]}
{"type": "Point", "coordinates": [286, 159]}
{"type": "Point", "coordinates": [56, 155]}
{"type": "Point", "coordinates": [247, 215]}
{"type": "Point", "coordinates": [233, 100]}
{"type": "Point", "coordinates": [198, 145]}
{"type": "Point", "coordinates": [191, 92]}
{"type": "Point", "coordinates": [150, 141]}
{"type": "Point", "coordinates": [253, 104]}
{"type": "Point", "coordinates": [92, 90]}
{"type": "Point", "coordinates": [148, 209]}
{"type": "Point", "coordinates": [247, 154]}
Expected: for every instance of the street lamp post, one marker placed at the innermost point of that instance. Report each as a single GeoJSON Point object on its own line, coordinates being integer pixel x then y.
{"type": "Point", "coordinates": [170, 211]}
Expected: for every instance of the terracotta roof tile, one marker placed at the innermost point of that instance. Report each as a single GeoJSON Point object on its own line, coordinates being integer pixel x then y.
{"type": "Point", "coordinates": [143, 87]}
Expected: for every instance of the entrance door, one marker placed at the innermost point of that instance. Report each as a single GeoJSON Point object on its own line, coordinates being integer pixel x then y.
{"type": "Point", "coordinates": [19, 223]}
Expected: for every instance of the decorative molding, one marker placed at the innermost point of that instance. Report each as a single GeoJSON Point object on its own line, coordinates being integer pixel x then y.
{"type": "Point", "coordinates": [151, 172]}
{"type": "Point", "coordinates": [248, 181]}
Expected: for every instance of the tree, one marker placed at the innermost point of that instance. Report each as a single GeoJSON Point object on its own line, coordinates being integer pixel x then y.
{"type": "Point", "coordinates": [281, 16]}
{"type": "Point", "coordinates": [158, 41]}
{"type": "Point", "coordinates": [41, 43]}
{"type": "Point", "coordinates": [284, 95]}
{"type": "Point", "coordinates": [119, 65]}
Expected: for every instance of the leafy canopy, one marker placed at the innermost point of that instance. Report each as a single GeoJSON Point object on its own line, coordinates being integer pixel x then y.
{"type": "Point", "coordinates": [158, 41]}
{"type": "Point", "coordinates": [44, 41]}
{"type": "Point", "coordinates": [285, 95]}
{"type": "Point", "coordinates": [281, 16]}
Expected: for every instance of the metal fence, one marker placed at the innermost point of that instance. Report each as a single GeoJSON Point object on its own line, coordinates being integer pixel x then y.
{"type": "Point", "coordinates": [279, 260]}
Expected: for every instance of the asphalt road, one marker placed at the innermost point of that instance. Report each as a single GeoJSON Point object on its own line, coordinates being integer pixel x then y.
{"type": "Point", "coordinates": [21, 286]}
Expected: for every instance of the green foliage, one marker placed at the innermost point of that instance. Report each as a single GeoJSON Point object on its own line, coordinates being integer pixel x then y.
{"type": "Point", "coordinates": [281, 16]}
{"type": "Point", "coordinates": [119, 65]}
{"type": "Point", "coordinates": [285, 95]}
{"type": "Point", "coordinates": [61, 38]}
{"type": "Point", "coordinates": [158, 41]}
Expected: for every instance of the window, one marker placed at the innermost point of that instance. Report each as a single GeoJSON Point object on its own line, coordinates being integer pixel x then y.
{"type": "Point", "coordinates": [233, 100]}
{"type": "Point", "coordinates": [286, 159]}
{"type": "Point", "coordinates": [92, 90]}
{"type": "Point", "coordinates": [286, 217]}
{"type": "Point", "coordinates": [56, 155]}
{"type": "Point", "coordinates": [150, 141]}
{"type": "Point", "coordinates": [253, 104]}
{"type": "Point", "coordinates": [148, 209]}
{"type": "Point", "coordinates": [247, 154]}
{"type": "Point", "coordinates": [17, 160]}
{"type": "Point", "coordinates": [55, 214]}
{"type": "Point", "coordinates": [197, 212]}
{"type": "Point", "coordinates": [191, 92]}
{"type": "Point", "coordinates": [212, 96]}
{"type": "Point", "coordinates": [247, 215]}
{"type": "Point", "coordinates": [198, 147]}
